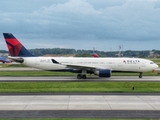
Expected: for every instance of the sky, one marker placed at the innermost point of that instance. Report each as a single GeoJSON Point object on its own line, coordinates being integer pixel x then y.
{"type": "Point", "coordinates": [82, 24]}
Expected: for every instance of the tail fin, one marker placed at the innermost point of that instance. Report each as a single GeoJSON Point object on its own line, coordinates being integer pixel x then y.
{"type": "Point", "coordinates": [15, 48]}
{"type": "Point", "coordinates": [94, 54]}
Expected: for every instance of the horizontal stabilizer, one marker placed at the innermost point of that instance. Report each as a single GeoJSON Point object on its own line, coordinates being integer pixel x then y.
{"type": "Point", "coordinates": [16, 59]}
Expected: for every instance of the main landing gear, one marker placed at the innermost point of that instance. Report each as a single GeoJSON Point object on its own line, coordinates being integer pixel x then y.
{"type": "Point", "coordinates": [79, 76]}
{"type": "Point", "coordinates": [82, 75]}
{"type": "Point", "coordinates": [140, 75]}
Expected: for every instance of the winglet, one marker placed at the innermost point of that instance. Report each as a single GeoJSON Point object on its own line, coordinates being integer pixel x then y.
{"type": "Point", "coordinates": [15, 48]}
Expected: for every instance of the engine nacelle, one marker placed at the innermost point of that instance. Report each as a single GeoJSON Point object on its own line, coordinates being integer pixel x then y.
{"type": "Point", "coordinates": [103, 73]}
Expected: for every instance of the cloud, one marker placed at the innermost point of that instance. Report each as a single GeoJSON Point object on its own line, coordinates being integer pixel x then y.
{"type": "Point", "coordinates": [133, 20]}
{"type": "Point", "coordinates": [126, 20]}
{"type": "Point", "coordinates": [106, 3]}
{"type": "Point", "coordinates": [71, 7]}
{"type": "Point", "coordinates": [81, 20]}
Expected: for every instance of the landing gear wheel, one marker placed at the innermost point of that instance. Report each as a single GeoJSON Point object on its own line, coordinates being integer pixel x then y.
{"type": "Point", "coordinates": [84, 76]}
{"type": "Point", "coordinates": [79, 76]}
{"type": "Point", "coordinates": [140, 76]}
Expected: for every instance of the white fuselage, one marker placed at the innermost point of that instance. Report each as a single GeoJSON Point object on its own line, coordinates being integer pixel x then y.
{"type": "Point", "coordinates": [114, 64]}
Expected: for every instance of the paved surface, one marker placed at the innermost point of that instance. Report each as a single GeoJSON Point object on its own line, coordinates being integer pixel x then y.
{"type": "Point", "coordinates": [79, 106]}
{"type": "Point", "coordinates": [79, 102]}
{"type": "Point", "coordinates": [18, 69]}
{"type": "Point", "coordinates": [81, 114]}
{"type": "Point", "coordinates": [89, 79]}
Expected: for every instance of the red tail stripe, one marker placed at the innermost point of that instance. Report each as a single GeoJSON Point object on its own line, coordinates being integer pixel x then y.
{"type": "Point", "coordinates": [12, 41]}
{"type": "Point", "coordinates": [18, 49]}
{"type": "Point", "coordinates": [14, 46]}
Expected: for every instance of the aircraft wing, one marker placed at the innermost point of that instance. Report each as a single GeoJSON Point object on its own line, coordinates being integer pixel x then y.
{"type": "Point", "coordinates": [79, 66]}
{"type": "Point", "coordinates": [86, 67]}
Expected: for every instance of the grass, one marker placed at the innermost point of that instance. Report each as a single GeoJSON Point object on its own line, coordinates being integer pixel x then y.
{"type": "Point", "coordinates": [79, 87]}
{"type": "Point", "coordinates": [12, 65]}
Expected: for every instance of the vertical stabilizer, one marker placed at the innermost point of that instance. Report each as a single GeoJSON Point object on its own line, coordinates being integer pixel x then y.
{"type": "Point", "coordinates": [16, 49]}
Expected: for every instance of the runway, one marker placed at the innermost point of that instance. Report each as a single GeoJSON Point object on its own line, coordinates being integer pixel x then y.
{"type": "Point", "coordinates": [89, 79]}
{"type": "Point", "coordinates": [125, 106]}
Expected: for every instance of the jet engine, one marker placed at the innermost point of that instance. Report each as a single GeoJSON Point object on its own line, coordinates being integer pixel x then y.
{"type": "Point", "coordinates": [103, 72]}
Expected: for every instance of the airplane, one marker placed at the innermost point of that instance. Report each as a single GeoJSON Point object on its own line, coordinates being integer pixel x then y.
{"type": "Point", "coordinates": [4, 60]}
{"type": "Point", "coordinates": [102, 67]}
{"type": "Point", "coordinates": [95, 55]}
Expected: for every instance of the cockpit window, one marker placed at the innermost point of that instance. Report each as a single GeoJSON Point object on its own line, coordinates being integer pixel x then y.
{"type": "Point", "coordinates": [151, 62]}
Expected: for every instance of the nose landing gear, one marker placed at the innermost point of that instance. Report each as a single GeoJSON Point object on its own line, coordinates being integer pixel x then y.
{"type": "Point", "coordinates": [140, 75]}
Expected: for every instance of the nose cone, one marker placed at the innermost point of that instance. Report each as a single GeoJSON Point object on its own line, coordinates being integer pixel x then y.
{"type": "Point", "coordinates": [156, 66]}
